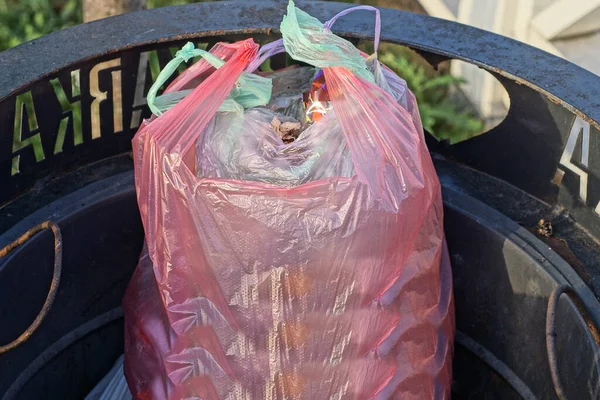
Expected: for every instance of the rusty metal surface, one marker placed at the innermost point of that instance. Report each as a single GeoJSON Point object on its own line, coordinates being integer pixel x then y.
{"type": "Point", "coordinates": [58, 246]}
{"type": "Point", "coordinates": [80, 338]}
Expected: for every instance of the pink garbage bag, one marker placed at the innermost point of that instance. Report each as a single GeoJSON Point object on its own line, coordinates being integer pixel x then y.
{"type": "Point", "coordinates": [335, 288]}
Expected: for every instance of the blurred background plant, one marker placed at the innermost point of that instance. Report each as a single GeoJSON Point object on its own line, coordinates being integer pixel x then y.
{"type": "Point", "coordinates": [445, 112]}
{"type": "Point", "coordinates": [442, 114]}
{"type": "Point", "coordinates": [23, 20]}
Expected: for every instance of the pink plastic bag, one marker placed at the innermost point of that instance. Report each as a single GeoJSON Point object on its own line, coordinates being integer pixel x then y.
{"type": "Point", "coordinates": [339, 288]}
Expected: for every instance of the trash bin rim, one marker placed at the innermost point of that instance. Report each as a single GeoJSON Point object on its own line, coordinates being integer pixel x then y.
{"type": "Point", "coordinates": [561, 81]}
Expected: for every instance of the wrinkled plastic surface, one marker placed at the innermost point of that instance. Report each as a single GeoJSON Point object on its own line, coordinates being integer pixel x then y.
{"type": "Point", "coordinates": [250, 90]}
{"type": "Point", "coordinates": [247, 148]}
{"type": "Point", "coordinates": [306, 40]}
{"type": "Point", "coordinates": [336, 286]}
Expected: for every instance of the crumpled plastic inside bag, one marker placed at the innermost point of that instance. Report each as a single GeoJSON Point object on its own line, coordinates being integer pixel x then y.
{"type": "Point", "coordinates": [248, 143]}
{"type": "Point", "coordinates": [251, 145]}
{"type": "Point", "coordinates": [289, 84]}
{"type": "Point", "coordinates": [248, 147]}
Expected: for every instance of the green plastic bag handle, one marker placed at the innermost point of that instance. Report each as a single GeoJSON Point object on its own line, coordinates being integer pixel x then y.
{"type": "Point", "coordinates": [250, 90]}
{"type": "Point", "coordinates": [306, 39]}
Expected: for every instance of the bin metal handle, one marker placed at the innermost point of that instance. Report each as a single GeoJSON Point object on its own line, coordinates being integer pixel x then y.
{"type": "Point", "coordinates": [58, 250]}
{"type": "Point", "coordinates": [551, 333]}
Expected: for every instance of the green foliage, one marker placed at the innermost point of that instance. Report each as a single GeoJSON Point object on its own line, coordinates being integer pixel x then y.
{"type": "Point", "coordinates": [23, 20]}
{"type": "Point", "coordinates": [441, 114]}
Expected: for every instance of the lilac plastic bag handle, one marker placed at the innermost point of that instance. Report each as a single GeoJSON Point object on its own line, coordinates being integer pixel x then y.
{"type": "Point", "coordinates": [277, 47]}
{"type": "Point", "coordinates": [330, 23]}
{"type": "Point", "coordinates": [265, 52]}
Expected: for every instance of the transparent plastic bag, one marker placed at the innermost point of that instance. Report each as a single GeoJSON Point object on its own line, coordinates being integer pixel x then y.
{"type": "Point", "coordinates": [333, 286]}
{"type": "Point", "coordinates": [246, 147]}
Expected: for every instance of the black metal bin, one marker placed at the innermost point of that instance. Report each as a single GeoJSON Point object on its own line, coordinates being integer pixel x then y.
{"type": "Point", "coordinates": [71, 101]}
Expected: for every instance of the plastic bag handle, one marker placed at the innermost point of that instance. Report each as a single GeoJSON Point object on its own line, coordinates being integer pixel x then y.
{"type": "Point", "coordinates": [265, 52]}
{"type": "Point", "coordinates": [277, 46]}
{"type": "Point", "coordinates": [252, 90]}
{"type": "Point", "coordinates": [330, 23]}
{"type": "Point", "coordinates": [188, 51]}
